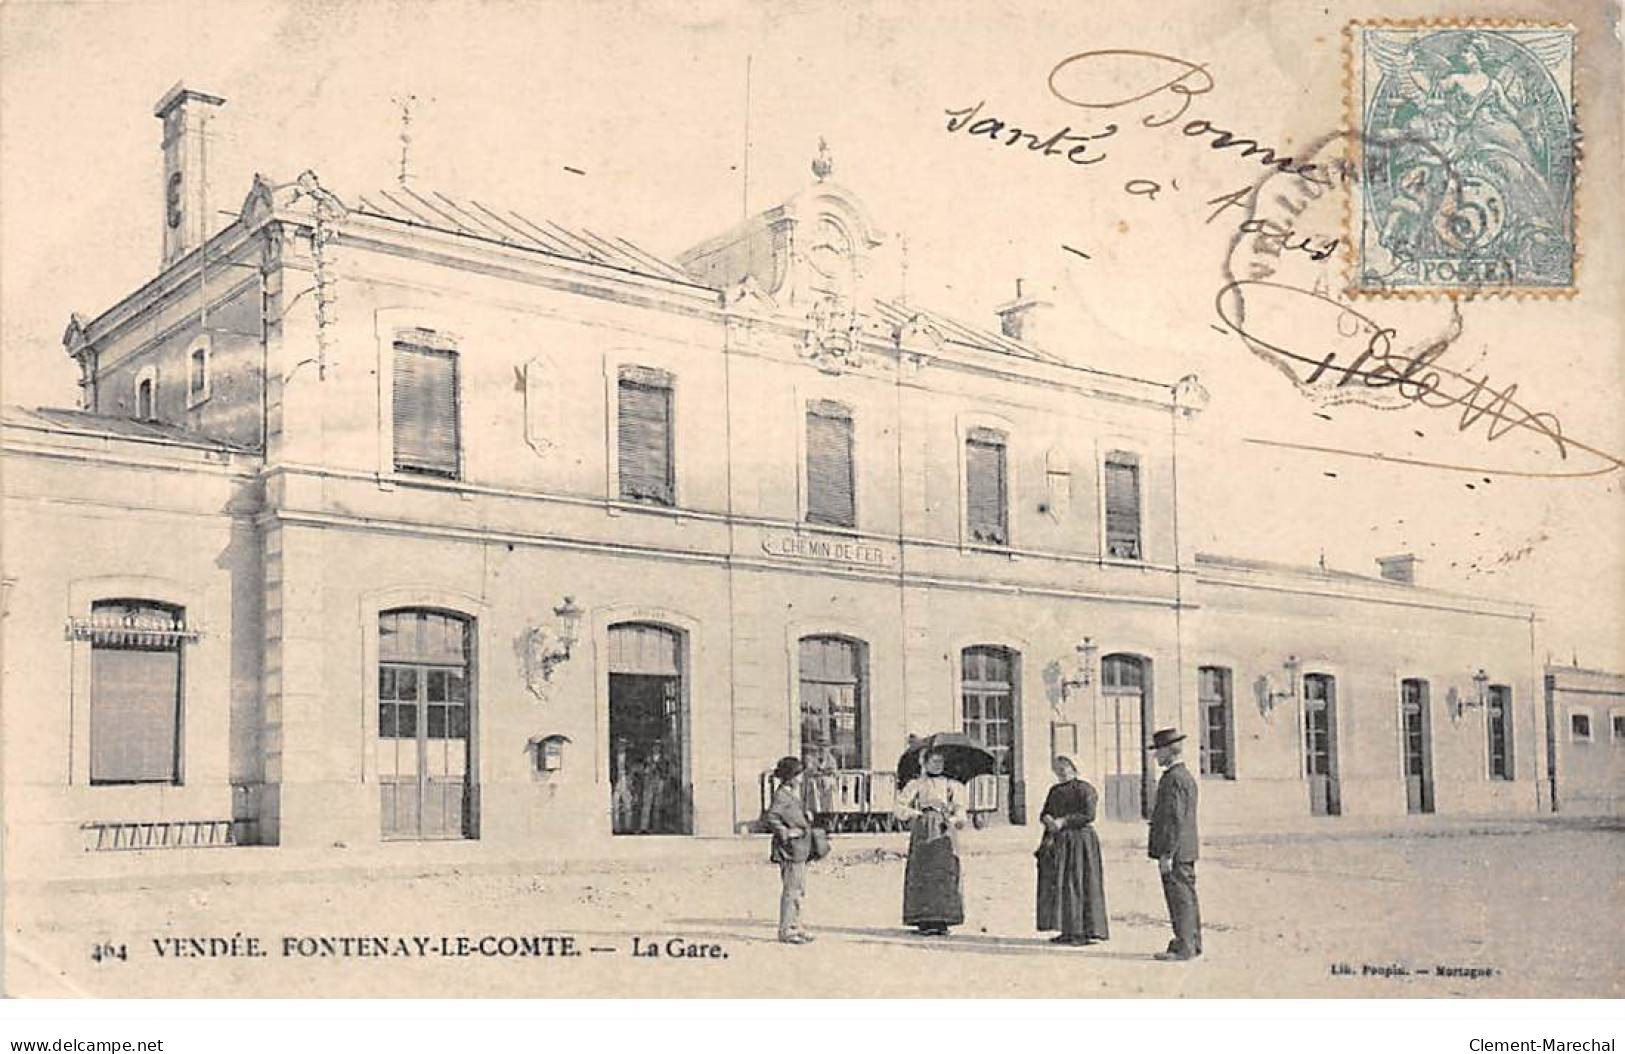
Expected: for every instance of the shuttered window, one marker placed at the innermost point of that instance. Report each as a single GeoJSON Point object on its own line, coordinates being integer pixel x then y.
{"type": "Point", "coordinates": [426, 426]}
{"type": "Point", "coordinates": [986, 519]}
{"type": "Point", "coordinates": [829, 465]}
{"type": "Point", "coordinates": [1123, 506]}
{"type": "Point", "coordinates": [135, 693]}
{"type": "Point", "coordinates": [644, 435]}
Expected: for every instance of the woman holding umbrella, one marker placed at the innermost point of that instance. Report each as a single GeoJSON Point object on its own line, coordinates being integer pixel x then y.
{"type": "Point", "coordinates": [1071, 887]}
{"type": "Point", "coordinates": [933, 805]}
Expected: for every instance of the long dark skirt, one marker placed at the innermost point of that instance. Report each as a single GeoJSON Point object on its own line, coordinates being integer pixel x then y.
{"type": "Point", "coordinates": [1071, 887]}
{"type": "Point", "coordinates": [931, 894]}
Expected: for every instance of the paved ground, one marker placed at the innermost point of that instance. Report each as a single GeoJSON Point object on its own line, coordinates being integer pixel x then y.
{"type": "Point", "coordinates": [1537, 906]}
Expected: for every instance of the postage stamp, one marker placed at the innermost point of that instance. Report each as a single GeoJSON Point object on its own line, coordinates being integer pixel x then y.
{"type": "Point", "coordinates": [1465, 144]}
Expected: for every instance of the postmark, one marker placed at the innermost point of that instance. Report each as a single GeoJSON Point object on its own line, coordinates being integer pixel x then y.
{"type": "Point", "coordinates": [1466, 147]}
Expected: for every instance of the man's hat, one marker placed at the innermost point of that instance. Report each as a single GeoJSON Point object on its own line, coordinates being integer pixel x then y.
{"type": "Point", "coordinates": [1166, 737]}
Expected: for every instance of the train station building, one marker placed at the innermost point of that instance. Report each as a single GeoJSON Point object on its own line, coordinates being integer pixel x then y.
{"type": "Point", "coordinates": [392, 515]}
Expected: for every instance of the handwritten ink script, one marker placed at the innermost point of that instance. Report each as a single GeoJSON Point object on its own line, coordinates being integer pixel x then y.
{"type": "Point", "coordinates": [1420, 378]}
{"type": "Point", "coordinates": [1086, 80]}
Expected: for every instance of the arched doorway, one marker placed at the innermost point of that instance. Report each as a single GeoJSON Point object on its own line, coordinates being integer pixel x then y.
{"type": "Point", "coordinates": [1125, 697]}
{"type": "Point", "coordinates": [990, 713]}
{"type": "Point", "coordinates": [425, 713]}
{"type": "Point", "coordinates": [648, 731]}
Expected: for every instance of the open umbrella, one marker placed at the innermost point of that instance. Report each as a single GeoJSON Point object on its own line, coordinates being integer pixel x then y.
{"type": "Point", "coordinates": [962, 756]}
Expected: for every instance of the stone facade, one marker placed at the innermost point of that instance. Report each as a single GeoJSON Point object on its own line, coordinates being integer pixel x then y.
{"type": "Point", "coordinates": [264, 493]}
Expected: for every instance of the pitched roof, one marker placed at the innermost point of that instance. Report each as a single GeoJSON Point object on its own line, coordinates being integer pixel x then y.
{"type": "Point", "coordinates": [83, 422]}
{"type": "Point", "coordinates": [956, 332]}
{"type": "Point", "coordinates": [431, 209]}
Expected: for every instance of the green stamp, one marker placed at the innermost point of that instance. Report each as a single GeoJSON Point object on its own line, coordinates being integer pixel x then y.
{"type": "Point", "coordinates": [1466, 158]}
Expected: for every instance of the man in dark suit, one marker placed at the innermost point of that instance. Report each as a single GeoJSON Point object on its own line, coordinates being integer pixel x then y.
{"type": "Point", "coordinates": [1173, 845]}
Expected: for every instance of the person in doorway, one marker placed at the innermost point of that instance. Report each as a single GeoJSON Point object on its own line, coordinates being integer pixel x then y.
{"type": "Point", "coordinates": [1071, 884]}
{"type": "Point", "coordinates": [934, 808]}
{"type": "Point", "coordinates": [1173, 845]}
{"type": "Point", "coordinates": [622, 802]}
{"type": "Point", "coordinates": [787, 818]}
{"type": "Point", "coordinates": [655, 773]}
{"type": "Point", "coordinates": [820, 776]}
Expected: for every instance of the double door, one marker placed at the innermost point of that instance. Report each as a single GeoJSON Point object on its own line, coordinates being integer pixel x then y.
{"type": "Point", "coordinates": [1418, 748]}
{"type": "Point", "coordinates": [423, 727]}
{"type": "Point", "coordinates": [1320, 744]}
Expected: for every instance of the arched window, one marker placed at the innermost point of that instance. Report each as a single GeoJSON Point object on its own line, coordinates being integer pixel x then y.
{"type": "Point", "coordinates": [834, 698]}
{"type": "Point", "coordinates": [197, 376]}
{"type": "Point", "coordinates": [990, 713]}
{"type": "Point", "coordinates": [146, 399]}
{"type": "Point", "coordinates": [425, 702]}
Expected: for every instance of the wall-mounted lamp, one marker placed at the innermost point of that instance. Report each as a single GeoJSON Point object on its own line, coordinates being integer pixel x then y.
{"type": "Point", "coordinates": [1269, 696]}
{"type": "Point", "coordinates": [1083, 672]}
{"type": "Point", "coordinates": [545, 648]}
{"type": "Point", "coordinates": [1460, 702]}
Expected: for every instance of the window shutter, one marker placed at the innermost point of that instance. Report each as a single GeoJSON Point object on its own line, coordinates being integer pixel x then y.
{"type": "Point", "coordinates": [829, 466]}
{"type": "Point", "coordinates": [426, 425]}
{"type": "Point", "coordinates": [985, 488]}
{"type": "Point", "coordinates": [644, 437]}
{"type": "Point", "coordinates": [133, 719]}
{"type": "Point", "coordinates": [1123, 508]}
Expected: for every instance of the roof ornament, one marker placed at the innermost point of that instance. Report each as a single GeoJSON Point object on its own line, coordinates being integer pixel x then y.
{"type": "Point", "coordinates": [405, 104]}
{"type": "Point", "coordinates": [823, 164]}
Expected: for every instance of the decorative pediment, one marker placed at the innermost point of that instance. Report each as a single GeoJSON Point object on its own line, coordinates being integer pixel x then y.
{"type": "Point", "coordinates": [74, 338]}
{"type": "Point", "coordinates": [918, 331]}
{"type": "Point", "coordinates": [746, 296]}
{"type": "Point", "coordinates": [325, 203]}
{"type": "Point", "coordinates": [832, 342]}
{"type": "Point", "coordinates": [1190, 396]}
{"type": "Point", "coordinates": [259, 203]}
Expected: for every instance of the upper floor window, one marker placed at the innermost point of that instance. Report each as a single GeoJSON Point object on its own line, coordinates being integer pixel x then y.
{"type": "Point", "coordinates": [1213, 701]}
{"type": "Point", "coordinates": [986, 491]}
{"type": "Point", "coordinates": [1619, 727]}
{"type": "Point", "coordinates": [644, 436]}
{"type": "Point", "coordinates": [197, 375]}
{"type": "Point", "coordinates": [1580, 726]}
{"type": "Point", "coordinates": [1499, 720]}
{"type": "Point", "coordinates": [135, 691]}
{"type": "Point", "coordinates": [146, 398]}
{"type": "Point", "coordinates": [830, 474]}
{"type": "Point", "coordinates": [1122, 484]}
{"type": "Point", "coordinates": [427, 429]}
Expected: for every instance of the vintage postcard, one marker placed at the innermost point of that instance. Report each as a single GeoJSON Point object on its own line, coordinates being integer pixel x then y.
{"type": "Point", "coordinates": [776, 499]}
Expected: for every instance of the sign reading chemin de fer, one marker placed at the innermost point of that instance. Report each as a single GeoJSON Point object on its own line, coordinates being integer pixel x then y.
{"type": "Point", "coordinates": [847, 551]}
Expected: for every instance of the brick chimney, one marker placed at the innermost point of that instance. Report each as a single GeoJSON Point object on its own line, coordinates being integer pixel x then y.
{"type": "Point", "coordinates": [1024, 318]}
{"type": "Point", "coordinates": [1399, 568]}
{"type": "Point", "coordinates": [185, 114]}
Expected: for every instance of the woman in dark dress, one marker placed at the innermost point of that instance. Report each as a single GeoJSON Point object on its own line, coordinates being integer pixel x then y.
{"type": "Point", "coordinates": [1071, 888]}
{"type": "Point", "coordinates": [934, 808]}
